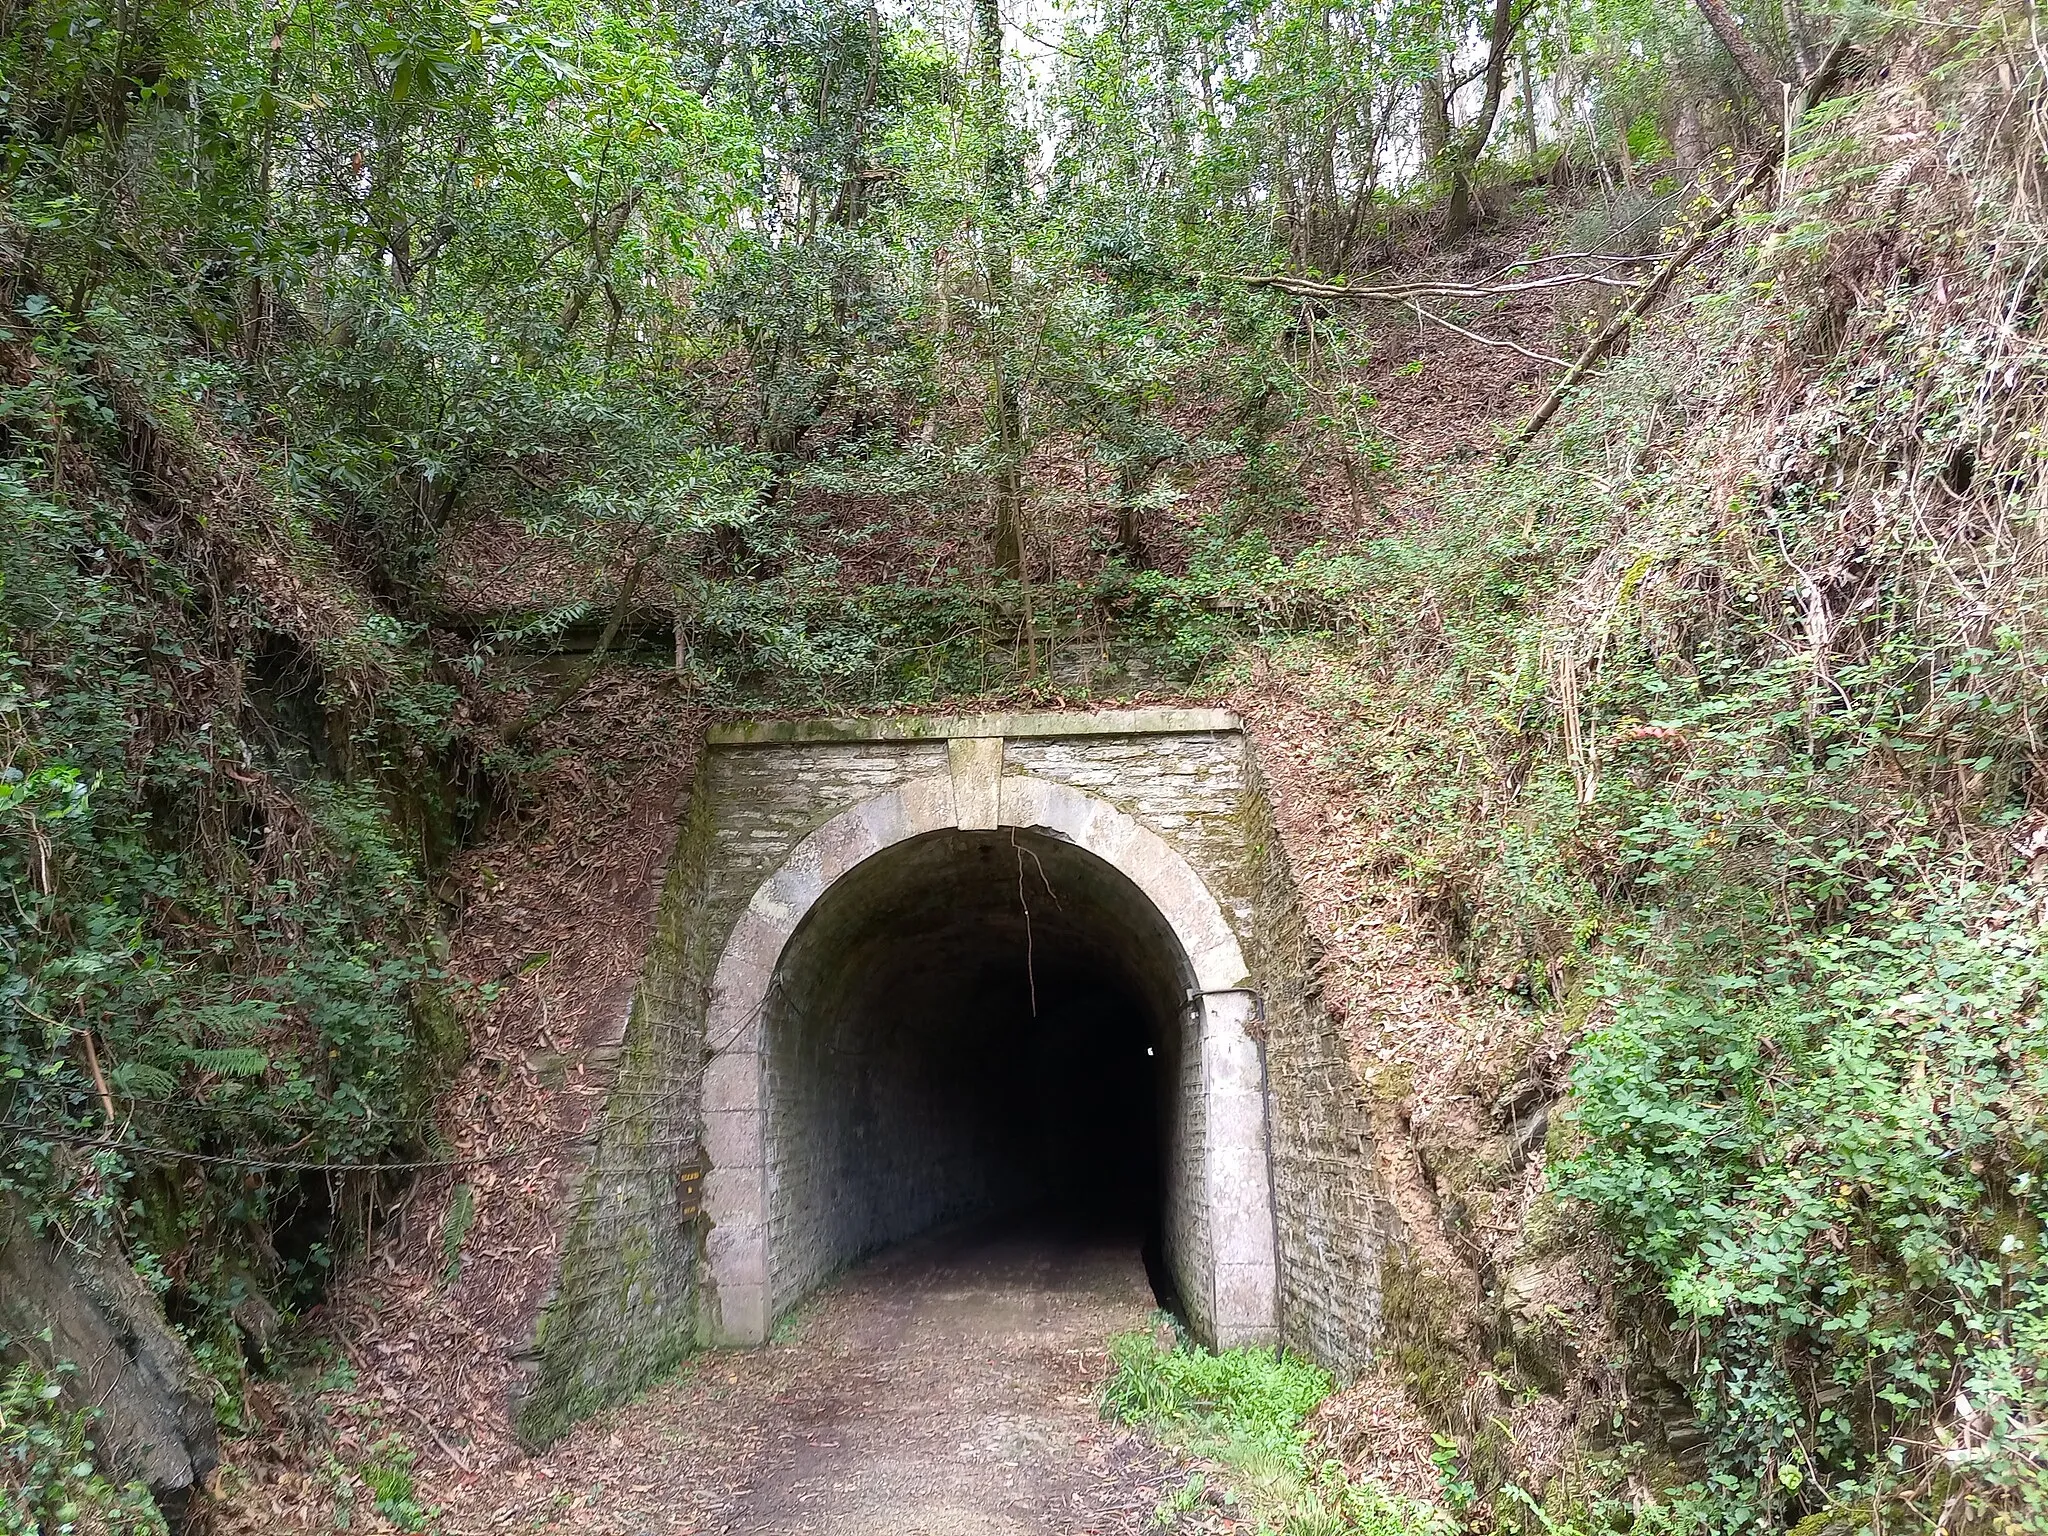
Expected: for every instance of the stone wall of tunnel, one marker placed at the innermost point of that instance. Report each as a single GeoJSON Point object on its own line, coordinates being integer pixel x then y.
{"type": "Point", "coordinates": [633, 1282]}
{"type": "Point", "coordinates": [1335, 1222]}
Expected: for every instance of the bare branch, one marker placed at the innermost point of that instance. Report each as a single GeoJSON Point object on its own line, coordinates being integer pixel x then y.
{"type": "Point", "coordinates": [1486, 341]}
{"type": "Point", "coordinates": [1822, 82]}
{"type": "Point", "coordinates": [1403, 293]}
{"type": "Point", "coordinates": [1523, 264]}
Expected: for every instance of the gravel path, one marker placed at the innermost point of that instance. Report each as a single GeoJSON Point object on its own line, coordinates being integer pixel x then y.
{"type": "Point", "coordinates": [947, 1388]}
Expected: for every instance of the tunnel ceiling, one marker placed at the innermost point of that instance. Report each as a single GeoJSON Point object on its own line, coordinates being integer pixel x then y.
{"type": "Point", "coordinates": [954, 910]}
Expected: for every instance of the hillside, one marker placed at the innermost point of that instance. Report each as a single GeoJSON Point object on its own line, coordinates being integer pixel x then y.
{"type": "Point", "coordinates": [416, 430]}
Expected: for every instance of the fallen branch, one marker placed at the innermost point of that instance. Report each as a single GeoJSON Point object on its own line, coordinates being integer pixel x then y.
{"type": "Point", "coordinates": [446, 1449]}
{"type": "Point", "coordinates": [1823, 80]}
{"type": "Point", "coordinates": [1406, 293]}
{"type": "Point", "coordinates": [1525, 263]}
{"type": "Point", "coordinates": [1410, 296]}
{"type": "Point", "coordinates": [99, 1079]}
{"type": "Point", "coordinates": [1484, 341]}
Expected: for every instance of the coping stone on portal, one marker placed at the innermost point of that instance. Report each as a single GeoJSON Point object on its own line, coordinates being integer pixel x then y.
{"type": "Point", "coordinates": [1101, 722]}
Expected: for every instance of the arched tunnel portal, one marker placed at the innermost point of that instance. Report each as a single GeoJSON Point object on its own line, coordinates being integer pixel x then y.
{"type": "Point", "coordinates": [935, 1049]}
{"type": "Point", "coordinates": [908, 971]}
{"type": "Point", "coordinates": [973, 1020]}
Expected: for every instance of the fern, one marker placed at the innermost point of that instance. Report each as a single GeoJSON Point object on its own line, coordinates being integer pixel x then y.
{"type": "Point", "coordinates": [232, 1061]}
{"type": "Point", "coordinates": [137, 1079]}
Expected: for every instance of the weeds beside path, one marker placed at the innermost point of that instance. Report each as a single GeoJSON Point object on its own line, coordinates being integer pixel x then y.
{"type": "Point", "coordinates": [1245, 1413]}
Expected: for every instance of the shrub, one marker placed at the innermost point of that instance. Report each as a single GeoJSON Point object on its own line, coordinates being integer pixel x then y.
{"type": "Point", "coordinates": [1830, 1164]}
{"type": "Point", "coordinates": [48, 1486]}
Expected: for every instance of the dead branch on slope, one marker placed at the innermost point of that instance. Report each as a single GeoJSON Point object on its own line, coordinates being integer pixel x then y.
{"type": "Point", "coordinates": [1411, 295]}
{"type": "Point", "coordinates": [1407, 293]}
{"type": "Point", "coordinates": [1809, 95]}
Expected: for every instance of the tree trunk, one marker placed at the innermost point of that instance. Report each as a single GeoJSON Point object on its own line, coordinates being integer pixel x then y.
{"type": "Point", "coordinates": [1796, 39]}
{"type": "Point", "coordinates": [629, 589]}
{"type": "Point", "coordinates": [1763, 77]}
{"type": "Point", "coordinates": [256, 305]}
{"type": "Point", "coordinates": [605, 233]}
{"type": "Point", "coordinates": [1434, 122]}
{"type": "Point", "coordinates": [999, 203]}
{"type": "Point", "coordinates": [1007, 535]}
{"type": "Point", "coordinates": [1688, 135]}
{"type": "Point", "coordinates": [1816, 88]}
{"type": "Point", "coordinates": [1470, 142]}
{"type": "Point", "coordinates": [1132, 481]}
{"type": "Point", "coordinates": [1529, 143]}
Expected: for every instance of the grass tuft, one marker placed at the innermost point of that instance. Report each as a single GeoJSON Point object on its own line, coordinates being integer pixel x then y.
{"type": "Point", "coordinates": [1245, 1411]}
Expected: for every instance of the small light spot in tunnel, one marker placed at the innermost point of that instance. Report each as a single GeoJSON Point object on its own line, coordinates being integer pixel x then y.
{"type": "Point", "coordinates": [1150, 1052]}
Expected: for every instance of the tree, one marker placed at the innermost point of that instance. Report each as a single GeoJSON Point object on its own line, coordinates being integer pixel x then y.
{"type": "Point", "coordinates": [999, 210]}
{"type": "Point", "coordinates": [1763, 77]}
{"type": "Point", "coordinates": [1461, 157]}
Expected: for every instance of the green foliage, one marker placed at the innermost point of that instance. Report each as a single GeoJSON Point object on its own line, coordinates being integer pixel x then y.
{"type": "Point", "coordinates": [1188, 1497]}
{"type": "Point", "coordinates": [218, 939]}
{"type": "Point", "coordinates": [1834, 1167]}
{"type": "Point", "coordinates": [48, 1484]}
{"type": "Point", "coordinates": [461, 1216]}
{"type": "Point", "coordinates": [1256, 1397]}
{"type": "Point", "coordinates": [1459, 1493]}
{"type": "Point", "coordinates": [1246, 1409]}
{"type": "Point", "coordinates": [393, 1492]}
{"type": "Point", "coordinates": [1720, 759]}
{"type": "Point", "coordinates": [1332, 1504]}
{"type": "Point", "coordinates": [743, 314]}
{"type": "Point", "coordinates": [1237, 589]}
{"type": "Point", "coordinates": [278, 1003]}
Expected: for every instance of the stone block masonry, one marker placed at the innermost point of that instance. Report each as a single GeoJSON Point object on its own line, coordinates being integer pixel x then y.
{"type": "Point", "coordinates": [1335, 1223]}
{"type": "Point", "coordinates": [831, 1046]}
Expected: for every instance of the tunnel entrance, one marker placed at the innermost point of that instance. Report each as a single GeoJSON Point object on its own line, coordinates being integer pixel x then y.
{"type": "Point", "coordinates": [980, 993]}
{"type": "Point", "coordinates": [912, 970]}
{"type": "Point", "coordinates": [974, 1024]}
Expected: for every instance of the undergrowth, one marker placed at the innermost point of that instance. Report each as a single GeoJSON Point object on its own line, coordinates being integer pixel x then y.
{"type": "Point", "coordinates": [49, 1485]}
{"type": "Point", "coordinates": [1244, 1410]}
{"type": "Point", "coordinates": [1709, 734]}
{"type": "Point", "coordinates": [1709, 737]}
{"type": "Point", "coordinates": [222, 1001]}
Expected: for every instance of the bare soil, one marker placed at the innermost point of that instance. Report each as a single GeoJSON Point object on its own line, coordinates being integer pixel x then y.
{"type": "Point", "coordinates": [947, 1388]}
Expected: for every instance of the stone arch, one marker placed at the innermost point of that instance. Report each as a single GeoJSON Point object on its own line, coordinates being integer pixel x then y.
{"type": "Point", "coordinates": [1233, 1298]}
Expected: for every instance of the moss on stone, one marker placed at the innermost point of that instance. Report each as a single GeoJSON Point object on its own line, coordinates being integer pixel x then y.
{"type": "Point", "coordinates": [623, 1313]}
{"type": "Point", "coordinates": [439, 1029]}
{"type": "Point", "coordinates": [1423, 1312]}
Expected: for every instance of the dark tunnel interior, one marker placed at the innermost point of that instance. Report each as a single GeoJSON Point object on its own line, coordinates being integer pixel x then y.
{"type": "Point", "coordinates": [973, 1025]}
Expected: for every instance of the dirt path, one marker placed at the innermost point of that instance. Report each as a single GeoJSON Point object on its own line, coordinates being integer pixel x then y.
{"type": "Point", "coordinates": [947, 1388]}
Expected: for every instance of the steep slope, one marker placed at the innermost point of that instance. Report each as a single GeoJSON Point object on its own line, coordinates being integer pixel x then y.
{"type": "Point", "coordinates": [1695, 764]}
